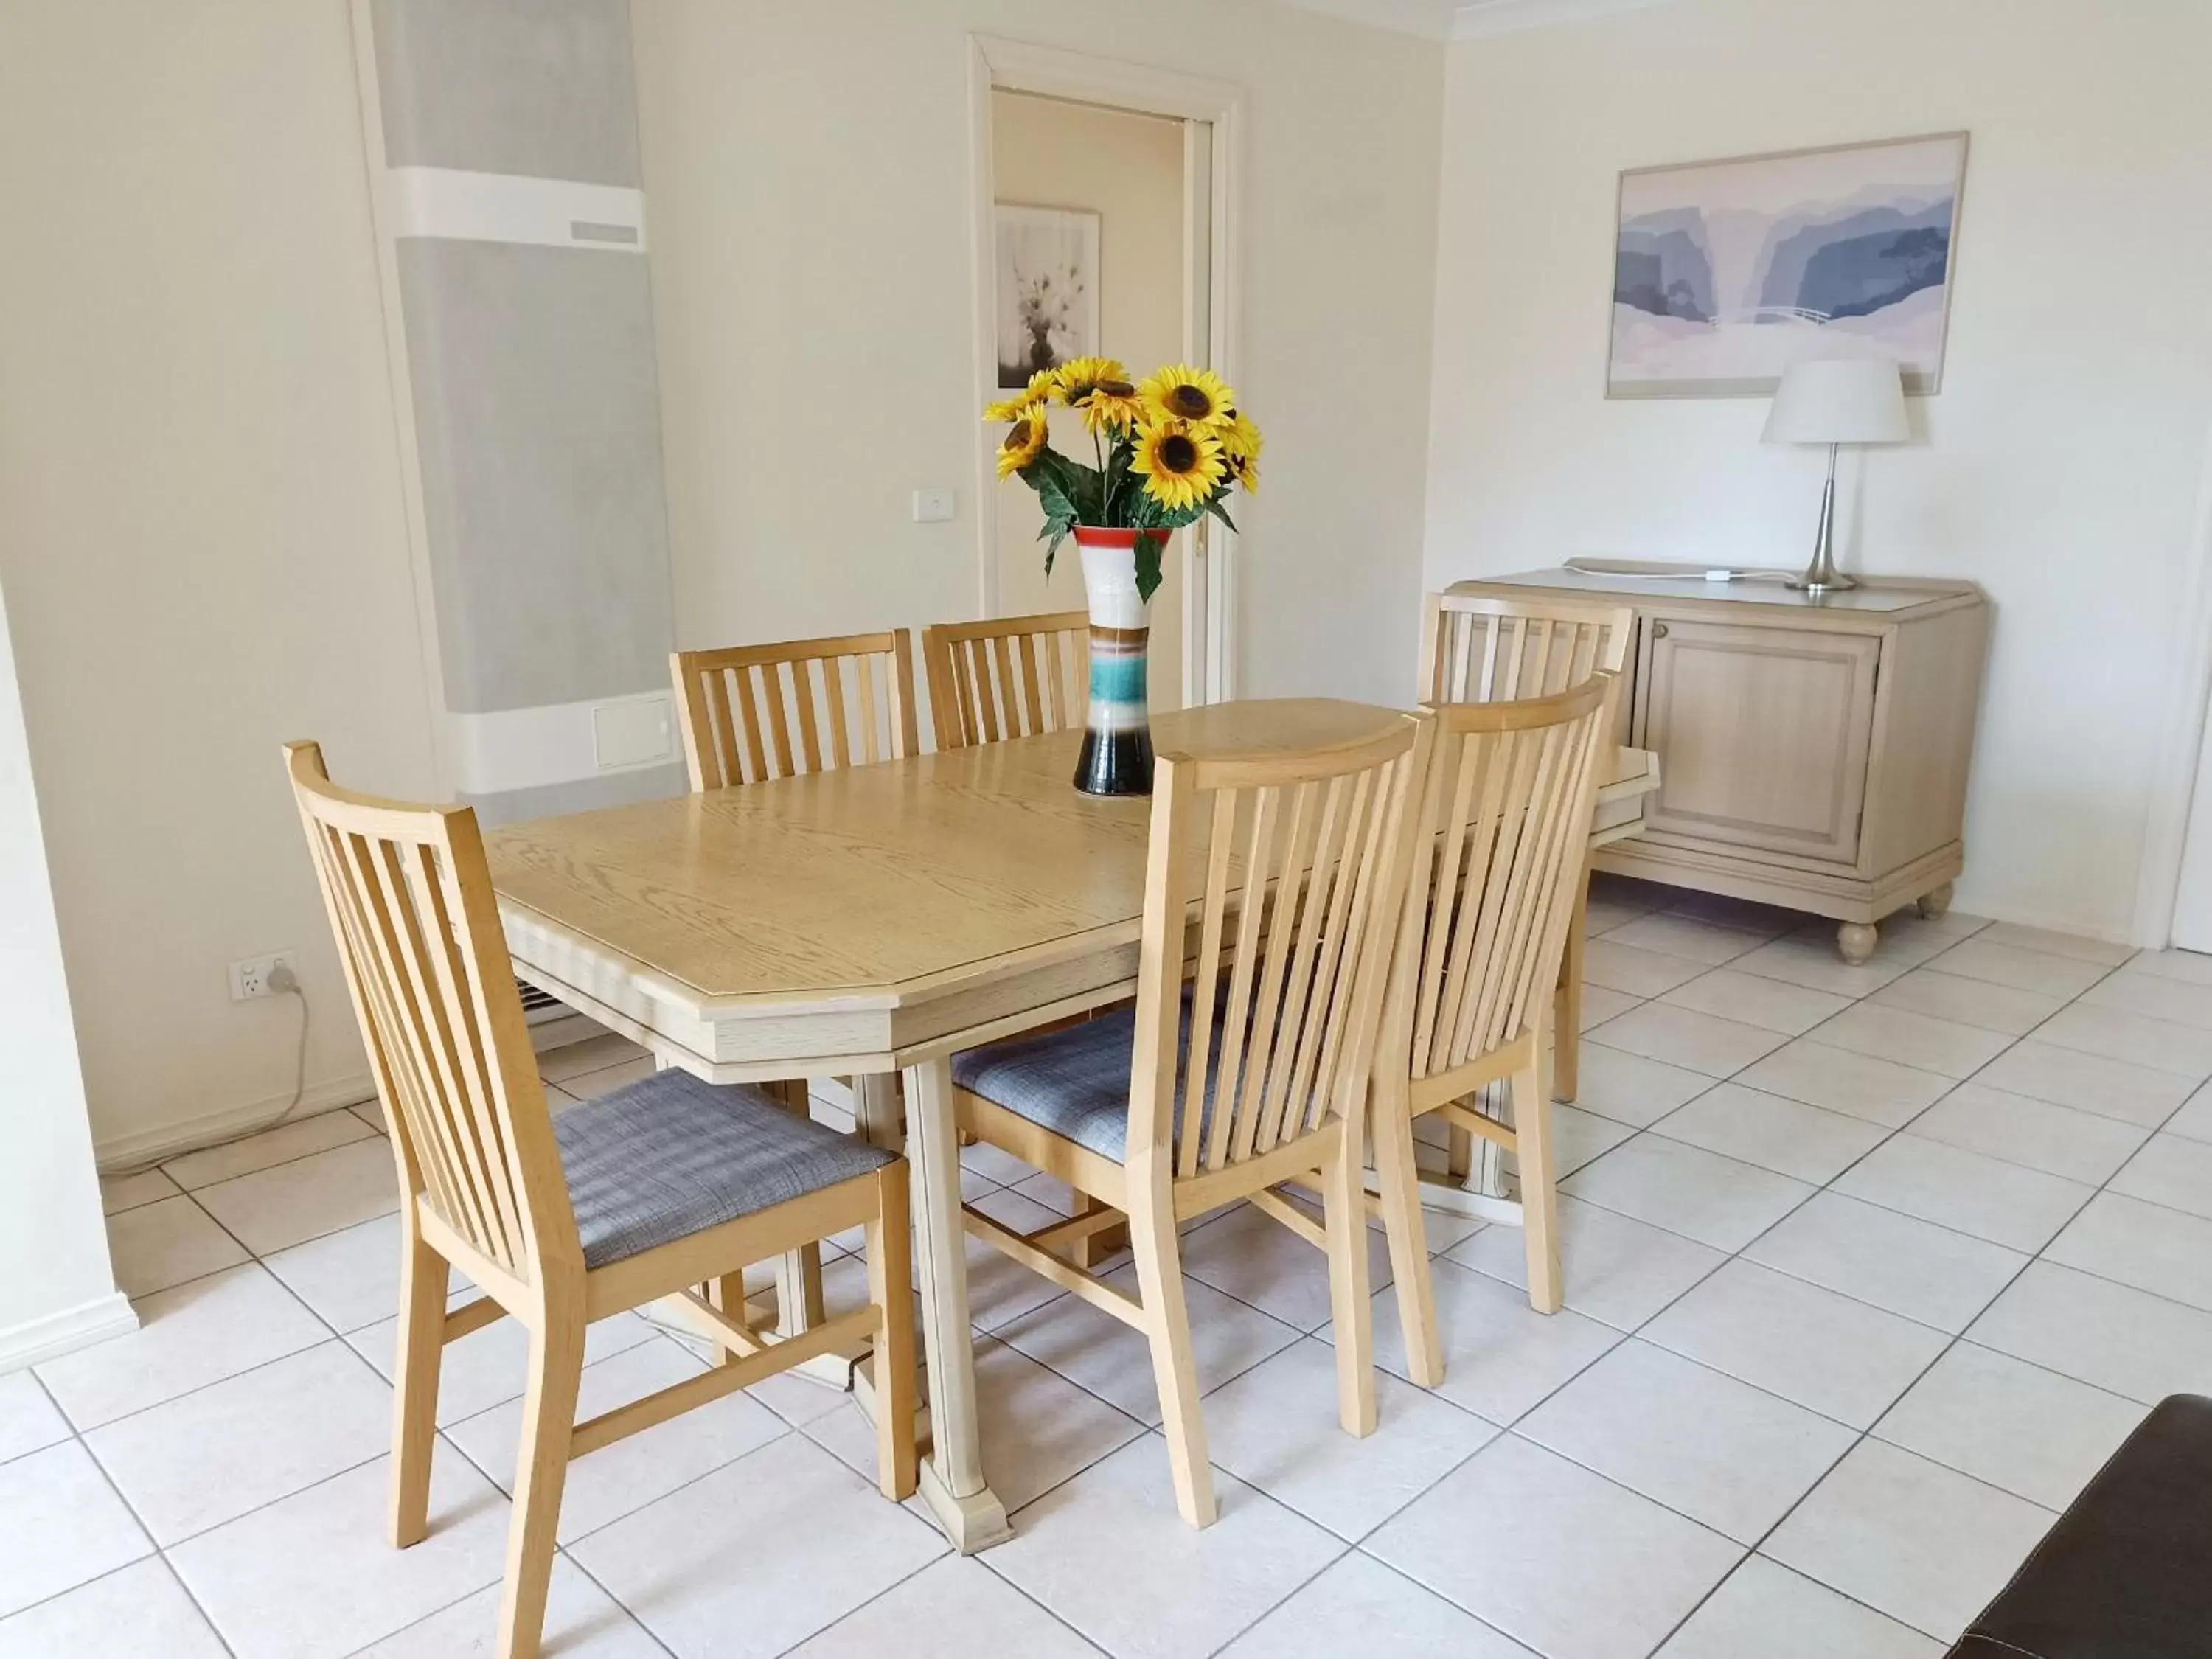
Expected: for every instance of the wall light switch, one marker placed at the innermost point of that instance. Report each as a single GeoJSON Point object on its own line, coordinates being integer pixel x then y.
{"type": "Point", "coordinates": [932, 506]}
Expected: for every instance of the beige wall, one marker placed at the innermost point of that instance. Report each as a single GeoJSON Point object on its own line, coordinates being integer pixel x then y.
{"type": "Point", "coordinates": [200, 537]}
{"type": "Point", "coordinates": [1127, 168]}
{"type": "Point", "coordinates": [2062, 462]}
{"type": "Point", "coordinates": [807, 172]}
{"type": "Point", "coordinates": [49, 1197]}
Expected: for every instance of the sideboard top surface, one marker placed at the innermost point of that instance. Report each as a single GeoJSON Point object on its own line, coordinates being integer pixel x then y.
{"type": "Point", "coordinates": [1877, 598]}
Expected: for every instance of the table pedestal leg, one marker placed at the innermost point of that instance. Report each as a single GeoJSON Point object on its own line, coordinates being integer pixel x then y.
{"type": "Point", "coordinates": [952, 1476]}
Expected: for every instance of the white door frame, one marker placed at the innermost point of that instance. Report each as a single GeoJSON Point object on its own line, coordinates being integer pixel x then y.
{"type": "Point", "coordinates": [1209, 564]}
{"type": "Point", "coordinates": [2181, 743]}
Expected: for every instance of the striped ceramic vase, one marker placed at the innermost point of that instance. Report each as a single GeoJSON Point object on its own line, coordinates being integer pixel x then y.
{"type": "Point", "coordinates": [1118, 741]}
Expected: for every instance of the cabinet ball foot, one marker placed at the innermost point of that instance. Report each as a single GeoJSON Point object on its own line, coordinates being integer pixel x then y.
{"type": "Point", "coordinates": [1934, 904]}
{"type": "Point", "coordinates": [1854, 942]}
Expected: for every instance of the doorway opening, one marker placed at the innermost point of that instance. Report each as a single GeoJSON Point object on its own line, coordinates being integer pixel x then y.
{"type": "Point", "coordinates": [1134, 169]}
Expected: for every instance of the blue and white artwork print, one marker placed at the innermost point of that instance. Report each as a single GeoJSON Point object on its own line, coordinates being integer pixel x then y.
{"type": "Point", "coordinates": [1727, 272]}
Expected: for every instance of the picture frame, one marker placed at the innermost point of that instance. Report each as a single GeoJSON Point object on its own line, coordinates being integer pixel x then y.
{"type": "Point", "coordinates": [1046, 308]}
{"type": "Point", "coordinates": [1725, 272]}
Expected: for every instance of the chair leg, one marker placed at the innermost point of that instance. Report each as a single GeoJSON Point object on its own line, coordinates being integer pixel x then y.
{"type": "Point", "coordinates": [1352, 1314]}
{"type": "Point", "coordinates": [1459, 1154]}
{"type": "Point", "coordinates": [423, 1278]}
{"type": "Point", "coordinates": [1400, 1184]}
{"type": "Point", "coordinates": [1175, 1367]}
{"type": "Point", "coordinates": [1567, 1006]}
{"type": "Point", "coordinates": [799, 1272]}
{"type": "Point", "coordinates": [890, 1287]}
{"type": "Point", "coordinates": [1532, 1149]}
{"type": "Point", "coordinates": [727, 1295]}
{"type": "Point", "coordinates": [1094, 1249]}
{"type": "Point", "coordinates": [541, 1469]}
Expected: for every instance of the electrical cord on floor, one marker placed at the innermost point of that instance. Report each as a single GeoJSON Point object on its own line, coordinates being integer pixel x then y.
{"type": "Point", "coordinates": [284, 981]}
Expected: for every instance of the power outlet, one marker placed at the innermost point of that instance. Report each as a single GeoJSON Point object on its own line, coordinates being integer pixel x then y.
{"type": "Point", "coordinates": [249, 975]}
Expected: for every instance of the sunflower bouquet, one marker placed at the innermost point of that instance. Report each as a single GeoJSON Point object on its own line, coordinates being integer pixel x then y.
{"type": "Point", "coordinates": [1167, 451]}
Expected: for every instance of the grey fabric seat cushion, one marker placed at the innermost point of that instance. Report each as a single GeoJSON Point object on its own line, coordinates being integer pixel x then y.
{"type": "Point", "coordinates": [669, 1156]}
{"type": "Point", "coordinates": [1075, 1081]}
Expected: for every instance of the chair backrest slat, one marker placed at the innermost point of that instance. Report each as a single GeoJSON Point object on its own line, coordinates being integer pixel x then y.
{"type": "Point", "coordinates": [411, 902]}
{"type": "Point", "coordinates": [1013, 677]}
{"type": "Point", "coordinates": [1298, 860]}
{"type": "Point", "coordinates": [1505, 818]}
{"type": "Point", "coordinates": [752, 713]}
{"type": "Point", "coordinates": [1480, 648]}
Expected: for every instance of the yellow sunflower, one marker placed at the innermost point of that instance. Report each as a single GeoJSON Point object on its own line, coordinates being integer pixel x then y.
{"type": "Point", "coordinates": [1181, 464]}
{"type": "Point", "coordinates": [1079, 375]}
{"type": "Point", "coordinates": [1240, 447]}
{"type": "Point", "coordinates": [1100, 388]}
{"type": "Point", "coordinates": [1042, 385]}
{"type": "Point", "coordinates": [1024, 440]}
{"type": "Point", "coordinates": [1112, 406]}
{"type": "Point", "coordinates": [1180, 392]}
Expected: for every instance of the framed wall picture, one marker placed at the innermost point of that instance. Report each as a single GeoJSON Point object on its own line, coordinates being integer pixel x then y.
{"type": "Point", "coordinates": [1048, 303]}
{"type": "Point", "coordinates": [1727, 272]}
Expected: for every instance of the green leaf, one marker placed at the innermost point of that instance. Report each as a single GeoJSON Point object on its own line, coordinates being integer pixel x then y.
{"type": "Point", "coordinates": [1080, 485]}
{"type": "Point", "coordinates": [1116, 482]}
{"type": "Point", "coordinates": [1148, 565]}
{"type": "Point", "coordinates": [1215, 508]}
{"type": "Point", "coordinates": [1052, 491]}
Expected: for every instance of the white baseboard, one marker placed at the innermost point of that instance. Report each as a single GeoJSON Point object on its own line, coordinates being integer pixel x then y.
{"type": "Point", "coordinates": [1972, 900]}
{"type": "Point", "coordinates": [37, 1340]}
{"type": "Point", "coordinates": [173, 1140]}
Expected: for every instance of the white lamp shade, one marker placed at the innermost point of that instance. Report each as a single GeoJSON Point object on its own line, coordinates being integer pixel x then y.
{"type": "Point", "coordinates": [1851, 400]}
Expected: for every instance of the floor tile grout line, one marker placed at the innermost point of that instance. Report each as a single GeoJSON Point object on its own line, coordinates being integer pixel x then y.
{"type": "Point", "coordinates": [904, 1578]}
{"type": "Point", "coordinates": [155, 1555]}
{"type": "Point", "coordinates": [1249, 1625]}
{"type": "Point", "coordinates": [1396, 1571]}
{"type": "Point", "coordinates": [983, 1561]}
{"type": "Point", "coordinates": [155, 1551]}
{"type": "Point", "coordinates": [367, 1133]}
{"type": "Point", "coordinates": [1830, 1184]}
{"type": "Point", "coordinates": [159, 1551]}
{"type": "Point", "coordinates": [1955, 1340]}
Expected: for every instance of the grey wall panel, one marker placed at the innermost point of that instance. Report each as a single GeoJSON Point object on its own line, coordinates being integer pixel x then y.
{"type": "Point", "coordinates": [552, 800]}
{"type": "Point", "coordinates": [537, 87]}
{"type": "Point", "coordinates": [536, 409]}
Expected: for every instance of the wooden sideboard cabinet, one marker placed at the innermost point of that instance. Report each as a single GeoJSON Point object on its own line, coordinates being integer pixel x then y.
{"type": "Point", "coordinates": [1812, 753]}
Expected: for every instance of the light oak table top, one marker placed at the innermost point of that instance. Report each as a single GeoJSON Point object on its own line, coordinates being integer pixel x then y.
{"type": "Point", "coordinates": [843, 920]}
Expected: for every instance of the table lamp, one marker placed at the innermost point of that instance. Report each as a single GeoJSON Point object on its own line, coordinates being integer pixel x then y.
{"type": "Point", "coordinates": [1852, 400]}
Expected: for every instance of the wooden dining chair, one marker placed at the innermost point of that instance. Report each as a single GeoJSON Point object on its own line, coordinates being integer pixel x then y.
{"type": "Point", "coordinates": [1012, 676]}
{"type": "Point", "coordinates": [1477, 649]}
{"type": "Point", "coordinates": [1480, 648]}
{"type": "Point", "coordinates": [1504, 817]}
{"type": "Point", "coordinates": [752, 713]}
{"type": "Point", "coordinates": [1253, 1076]}
{"type": "Point", "coordinates": [660, 1185]}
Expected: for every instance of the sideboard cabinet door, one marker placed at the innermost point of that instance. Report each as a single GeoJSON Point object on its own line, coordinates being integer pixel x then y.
{"type": "Point", "coordinates": [1761, 732]}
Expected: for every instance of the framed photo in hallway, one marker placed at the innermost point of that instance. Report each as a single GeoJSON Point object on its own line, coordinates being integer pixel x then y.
{"type": "Point", "coordinates": [1048, 303]}
{"type": "Point", "coordinates": [1727, 272]}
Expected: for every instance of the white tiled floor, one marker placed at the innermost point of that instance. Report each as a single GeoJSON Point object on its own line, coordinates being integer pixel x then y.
{"type": "Point", "coordinates": [1867, 1269]}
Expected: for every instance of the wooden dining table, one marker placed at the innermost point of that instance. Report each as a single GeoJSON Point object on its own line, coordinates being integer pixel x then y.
{"type": "Point", "coordinates": [863, 922]}
{"type": "Point", "coordinates": [867, 922]}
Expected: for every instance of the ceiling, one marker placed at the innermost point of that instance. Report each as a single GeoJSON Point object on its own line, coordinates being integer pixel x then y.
{"type": "Point", "coordinates": [1461, 20]}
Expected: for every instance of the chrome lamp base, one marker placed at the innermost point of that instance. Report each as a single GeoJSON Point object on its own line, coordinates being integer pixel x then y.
{"type": "Point", "coordinates": [1821, 576]}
